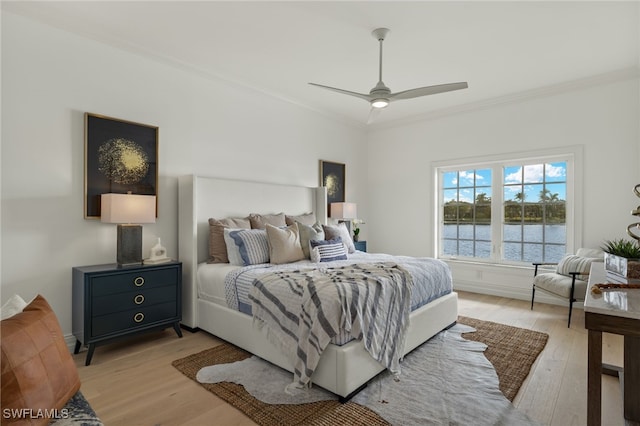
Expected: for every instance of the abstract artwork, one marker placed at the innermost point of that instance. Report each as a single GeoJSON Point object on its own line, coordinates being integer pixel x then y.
{"type": "Point", "coordinates": [120, 157]}
{"type": "Point", "coordinates": [332, 176]}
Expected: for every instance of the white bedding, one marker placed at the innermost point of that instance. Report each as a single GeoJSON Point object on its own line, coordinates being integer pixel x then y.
{"type": "Point", "coordinates": [211, 281]}
{"type": "Point", "coordinates": [229, 285]}
{"type": "Point", "coordinates": [429, 284]}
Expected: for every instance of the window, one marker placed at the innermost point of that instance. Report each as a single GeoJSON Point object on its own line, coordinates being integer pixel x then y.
{"type": "Point", "coordinates": [467, 213]}
{"type": "Point", "coordinates": [534, 227]}
{"type": "Point", "coordinates": [509, 211]}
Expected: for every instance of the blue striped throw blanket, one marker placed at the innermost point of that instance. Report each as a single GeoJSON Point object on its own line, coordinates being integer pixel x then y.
{"type": "Point", "coordinates": [303, 309]}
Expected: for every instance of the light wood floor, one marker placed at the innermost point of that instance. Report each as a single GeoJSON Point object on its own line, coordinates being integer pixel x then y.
{"type": "Point", "coordinates": [133, 383]}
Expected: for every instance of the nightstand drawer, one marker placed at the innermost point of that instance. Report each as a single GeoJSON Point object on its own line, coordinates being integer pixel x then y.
{"type": "Point", "coordinates": [134, 318]}
{"type": "Point", "coordinates": [110, 302]}
{"type": "Point", "coordinates": [102, 285]}
{"type": "Point", "coordinates": [132, 300]}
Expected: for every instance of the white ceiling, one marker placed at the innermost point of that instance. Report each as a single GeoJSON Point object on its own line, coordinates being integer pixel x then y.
{"type": "Point", "coordinates": [501, 49]}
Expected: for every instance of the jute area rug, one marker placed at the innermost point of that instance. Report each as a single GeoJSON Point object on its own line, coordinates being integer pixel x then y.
{"type": "Point", "coordinates": [511, 350]}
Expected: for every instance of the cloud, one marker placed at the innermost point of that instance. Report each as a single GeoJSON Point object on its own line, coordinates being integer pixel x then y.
{"type": "Point", "coordinates": [535, 173]}
{"type": "Point", "coordinates": [468, 178]}
{"type": "Point", "coordinates": [466, 195]}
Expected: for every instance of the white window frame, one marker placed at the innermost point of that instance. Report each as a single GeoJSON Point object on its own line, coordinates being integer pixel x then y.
{"type": "Point", "coordinates": [572, 155]}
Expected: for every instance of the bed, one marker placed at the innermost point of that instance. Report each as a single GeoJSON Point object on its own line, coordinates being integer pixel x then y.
{"type": "Point", "coordinates": [342, 369]}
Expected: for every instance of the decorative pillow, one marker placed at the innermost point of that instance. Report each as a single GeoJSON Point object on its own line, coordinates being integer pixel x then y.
{"type": "Point", "coordinates": [573, 263]}
{"type": "Point", "coordinates": [284, 244]}
{"type": "Point", "coordinates": [14, 305]}
{"type": "Point", "coordinates": [307, 219]}
{"type": "Point", "coordinates": [308, 233]}
{"type": "Point", "coordinates": [248, 246]}
{"type": "Point", "coordinates": [38, 371]}
{"type": "Point", "coordinates": [259, 221]}
{"type": "Point", "coordinates": [332, 232]}
{"type": "Point", "coordinates": [233, 251]}
{"type": "Point", "coordinates": [328, 250]}
{"type": "Point", "coordinates": [217, 245]}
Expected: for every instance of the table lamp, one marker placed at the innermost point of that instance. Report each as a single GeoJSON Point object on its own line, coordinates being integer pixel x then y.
{"type": "Point", "coordinates": [344, 212]}
{"type": "Point", "coordinates": [128, 211]}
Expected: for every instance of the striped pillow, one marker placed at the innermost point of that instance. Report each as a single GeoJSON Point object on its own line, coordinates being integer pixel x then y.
{"type": "Point", "coordinates": [252, 244]}
{"type": "Point", "coordinates": [327, 250]}
{"type": "Point", "coordinates": [573, 263]}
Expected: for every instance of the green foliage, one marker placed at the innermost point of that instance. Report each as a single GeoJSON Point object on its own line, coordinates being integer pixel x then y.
{"type": "Point", "coordinates": [551, 212]}
{"type": "Point", "coordinates": [622, 248]}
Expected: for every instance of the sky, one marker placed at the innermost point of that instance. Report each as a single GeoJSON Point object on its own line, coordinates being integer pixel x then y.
{"type": "Point", "coordinates": [529, 179]}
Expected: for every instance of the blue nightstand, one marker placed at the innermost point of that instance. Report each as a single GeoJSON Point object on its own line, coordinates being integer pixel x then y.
{"type": "Point", "coordinates": [361, 245]}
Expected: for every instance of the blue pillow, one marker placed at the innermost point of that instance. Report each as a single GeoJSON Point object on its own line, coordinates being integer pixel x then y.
{"type": "Point", "coordinates": [252, 245]}
{"type": "Point", "coordinates": [327, 250]}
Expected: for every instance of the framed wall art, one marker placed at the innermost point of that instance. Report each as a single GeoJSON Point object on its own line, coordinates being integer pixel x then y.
{"type": "Point", "coordinates": [332, 175]}
{"type": "Point", "coordinates": [120, 157]}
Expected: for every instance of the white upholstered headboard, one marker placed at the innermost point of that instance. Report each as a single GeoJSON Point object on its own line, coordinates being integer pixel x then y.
{"type": "Point", "coordinates": [200, 198]}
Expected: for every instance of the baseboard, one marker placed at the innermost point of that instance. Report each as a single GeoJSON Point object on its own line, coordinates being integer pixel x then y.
{"type": "Point", "coordinates": [189, 329]}
{"type": "Point", "coordinates": [70, 341]}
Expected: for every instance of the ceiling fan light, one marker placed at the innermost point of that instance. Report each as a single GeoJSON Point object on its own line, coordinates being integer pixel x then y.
{"type": "Point", "coordinates": [379, 103]}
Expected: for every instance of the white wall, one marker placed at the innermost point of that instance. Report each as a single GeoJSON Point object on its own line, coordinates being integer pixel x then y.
{"type": "Point", "coordinates": [50, 78]}
{"type": "Point", "coordinates": [603, 118]}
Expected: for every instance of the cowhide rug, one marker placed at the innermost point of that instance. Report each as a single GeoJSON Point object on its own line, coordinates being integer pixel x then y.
{"type": "Point", "coordinates": [447, 380]}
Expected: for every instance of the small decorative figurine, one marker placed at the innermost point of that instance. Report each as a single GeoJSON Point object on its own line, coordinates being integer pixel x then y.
{"type": "Point", "coordinates": [158, 254]}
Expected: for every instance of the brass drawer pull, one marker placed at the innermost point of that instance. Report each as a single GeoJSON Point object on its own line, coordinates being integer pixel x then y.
{"type": "Point", "coordinates": [138, 281]}
{"type": "Point", "coordinates": [139, 299]}
{"type": "Point", "coordinates": [138, 317]}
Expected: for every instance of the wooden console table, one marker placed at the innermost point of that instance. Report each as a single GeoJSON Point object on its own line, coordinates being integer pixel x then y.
{"type": "Point", "coordinates": [618, 312]}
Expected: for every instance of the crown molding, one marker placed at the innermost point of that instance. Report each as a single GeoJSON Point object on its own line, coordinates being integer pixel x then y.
{"type": "Point", "coordinates": [541, 92]}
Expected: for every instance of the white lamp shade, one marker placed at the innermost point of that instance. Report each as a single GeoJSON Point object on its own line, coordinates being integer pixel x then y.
{"type": "Point", "coordinates": [344, 210]}
{"type": "Point", "coordinates": [127, 208]}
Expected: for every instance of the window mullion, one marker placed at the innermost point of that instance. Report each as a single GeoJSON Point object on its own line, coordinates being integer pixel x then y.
{"type": "Point", "coordinates": [497, 213]}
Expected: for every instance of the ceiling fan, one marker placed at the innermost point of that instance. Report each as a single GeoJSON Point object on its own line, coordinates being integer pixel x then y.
{"type": "Point", "coordinates": [380, 96]}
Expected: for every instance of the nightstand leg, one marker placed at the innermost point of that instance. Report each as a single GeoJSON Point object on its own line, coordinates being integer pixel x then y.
{"type": "Point", "coordinates": [92, 347]}
{"type": "Point", "coordinates": [176, 327]}
{"type": "Point", "coordinates": [77, 348]}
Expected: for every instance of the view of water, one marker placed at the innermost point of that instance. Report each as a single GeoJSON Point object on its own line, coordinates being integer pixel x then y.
{"type": "Point", "coordinates": [458, 241]}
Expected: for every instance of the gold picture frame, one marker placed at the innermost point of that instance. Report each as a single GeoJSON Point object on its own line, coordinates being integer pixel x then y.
{"type": "Point", "coordinates": [120, 156]}
{"type": "Point", "coordinates": [333, 177]}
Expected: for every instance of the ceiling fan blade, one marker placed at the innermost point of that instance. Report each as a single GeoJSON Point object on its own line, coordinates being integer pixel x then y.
{"type": "Point", "coordinates": [428, 90]}
{"type": "Point", "coordinates": [366, 97]}
{"type": "Point", "coordinates": [373, 114]}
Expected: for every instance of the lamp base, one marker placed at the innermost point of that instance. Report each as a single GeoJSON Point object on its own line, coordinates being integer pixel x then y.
{"type": "Point", "coordinates": [129, 251]}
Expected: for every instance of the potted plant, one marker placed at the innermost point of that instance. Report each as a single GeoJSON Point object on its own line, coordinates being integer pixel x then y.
{"type": "Point", "coordinates": [356, 228]}
{"type": "Point", "coordinates": [622, 258]}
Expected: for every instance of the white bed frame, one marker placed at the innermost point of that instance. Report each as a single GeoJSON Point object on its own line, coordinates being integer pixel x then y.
{"type": "Point", "coordinates": [342, 369]}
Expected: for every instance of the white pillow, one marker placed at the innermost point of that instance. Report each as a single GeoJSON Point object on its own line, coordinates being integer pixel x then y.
{"type": "Point", "coordinates": [332, 232]}
{"type": "Point", "coordinates": [284, 244]}
{"type": "Point", "coordinates": [308, 233]}
{"type": "Point", "coordinates": [573, 263]}
{"type": "Point", "coordinates": [249, 244]}
{"type": "Point", "coordinates": [13, 306]}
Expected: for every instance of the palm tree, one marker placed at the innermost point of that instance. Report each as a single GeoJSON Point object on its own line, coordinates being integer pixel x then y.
{"type": "Point", "coordinates": [482, 198]}
{"type": "Point", "coordinates": [556, 204]}
{"type": "Point", "coordinates": [544, 196]}
{"type": "Point", "coordinates": [520, 196]}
